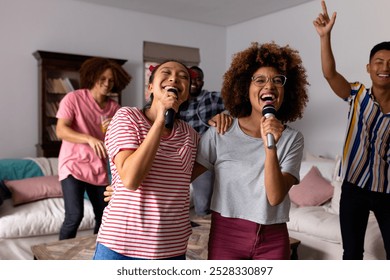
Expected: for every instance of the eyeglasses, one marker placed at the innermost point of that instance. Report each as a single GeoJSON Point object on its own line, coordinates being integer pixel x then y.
{"type": "Point", "coordinates": [278, 80]}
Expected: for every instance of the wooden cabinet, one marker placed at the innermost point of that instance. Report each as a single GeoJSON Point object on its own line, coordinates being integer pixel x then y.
{"type": "Point", "coordinates": [58, 73]}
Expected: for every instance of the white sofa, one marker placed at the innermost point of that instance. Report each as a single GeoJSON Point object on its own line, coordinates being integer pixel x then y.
{"type": "Point", "coordinates": [318, 228]}
{"type": "Point", "coordinates": [35, 222]}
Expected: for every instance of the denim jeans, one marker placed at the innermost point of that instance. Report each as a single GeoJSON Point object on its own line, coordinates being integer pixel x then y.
{"type": "Point", "coordinates": [355, 206]}
{"type": "Point", "coordinates": [104, 253]}
{"type": "Point", "coordinates": [202, 189]}
{"type": "Point", "coordinates": [73, 191]}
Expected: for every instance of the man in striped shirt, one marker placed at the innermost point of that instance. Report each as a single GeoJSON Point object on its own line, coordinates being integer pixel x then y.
{"type": "Point", "coordinates": [366, 154]}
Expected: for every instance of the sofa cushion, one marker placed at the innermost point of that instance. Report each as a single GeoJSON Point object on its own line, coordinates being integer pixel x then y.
{"type": "Point", "coordinates": [335, 202]}
{"type": "Point", "coordinates": [16, 169]}
{"type": "Point", "coordinates": [49, 166]}
{"type": "Point", "coordinates": [4, 192]}
{"type": "Point", "coordinates": [33, 189]}
{"type": "Point", "coordinates": [43, 217]}
{"type": "Point", "coordinates": [313, 190]}
{"type": "Point", "coordinates": [315, 221]}
{"type": "Point", "coordinates": [328, 167]}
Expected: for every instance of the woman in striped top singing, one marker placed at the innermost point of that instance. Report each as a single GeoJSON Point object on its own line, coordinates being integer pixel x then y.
{"type": "Point", "coordinates": [151, 166]}
{"type": "Point", "coordinates": [366, 153]}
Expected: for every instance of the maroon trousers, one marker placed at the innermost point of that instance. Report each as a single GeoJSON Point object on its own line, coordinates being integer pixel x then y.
{"type": "Point", "coordinates": [238, 239]}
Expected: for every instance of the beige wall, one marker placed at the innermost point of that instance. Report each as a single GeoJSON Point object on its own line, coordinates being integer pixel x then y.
{"type": "Point", "coordinates": [81, 28]}
{"type": "Point", "coordinates": [360, 24]}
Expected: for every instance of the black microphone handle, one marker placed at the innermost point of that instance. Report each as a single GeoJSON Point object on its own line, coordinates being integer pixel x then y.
{"type": "Point", "coordinates": [169, 118]}
{"type": "Point", "coordinates": [170, 113]}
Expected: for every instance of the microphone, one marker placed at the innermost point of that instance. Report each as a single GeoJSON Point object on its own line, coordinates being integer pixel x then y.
{"type": "Point", "coordinates": [170, 113]}
{"type": "Point", "coordinates": [269, 111]}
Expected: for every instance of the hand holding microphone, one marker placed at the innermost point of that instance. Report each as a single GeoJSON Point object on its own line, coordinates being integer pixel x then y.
{"type": "Point", "coordinates": [269, 111]}
{"type": "Point", "coordinates": [170, 113]}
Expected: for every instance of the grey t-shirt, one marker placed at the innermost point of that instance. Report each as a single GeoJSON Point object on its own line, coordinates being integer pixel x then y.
{"type": "Point", "coordinates": [238, 162]}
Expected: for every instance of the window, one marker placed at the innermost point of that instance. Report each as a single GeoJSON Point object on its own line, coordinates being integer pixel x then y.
{"type": "Point", "coordinates": [155, 53]}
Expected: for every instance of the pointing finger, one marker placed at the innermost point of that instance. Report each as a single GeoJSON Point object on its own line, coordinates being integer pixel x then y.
{"type": "Point", "coordinates": [324, 9]}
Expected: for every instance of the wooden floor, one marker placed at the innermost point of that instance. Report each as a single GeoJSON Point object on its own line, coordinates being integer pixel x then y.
{"type": "Point", "coordinates": [83, 248]}
{"type": "Point", "coordinates": [197, 244]}
{"type": "Point", "coordinates": [79, 248]}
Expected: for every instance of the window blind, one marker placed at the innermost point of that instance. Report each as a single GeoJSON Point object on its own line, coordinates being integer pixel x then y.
{"type": "Point", "coordinates": [158, 52]}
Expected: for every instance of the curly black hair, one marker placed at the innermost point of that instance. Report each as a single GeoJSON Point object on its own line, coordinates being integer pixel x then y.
{"type": "Point", "coordinates": [93, 68]}
{"type": "Point", "coordinates": [237, 79]}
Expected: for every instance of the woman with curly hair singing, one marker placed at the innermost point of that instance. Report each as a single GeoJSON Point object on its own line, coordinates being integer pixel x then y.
{"type": "Point", "coordinates": [250, 205]}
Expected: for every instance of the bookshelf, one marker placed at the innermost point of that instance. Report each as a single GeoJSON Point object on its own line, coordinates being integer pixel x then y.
{"type": "Point", "coordinates": [58, 74]}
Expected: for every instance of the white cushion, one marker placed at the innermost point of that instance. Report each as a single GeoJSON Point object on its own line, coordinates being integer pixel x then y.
{"type": "Point", "coordinates": [42, 217]}
{"type": "Point", "coordinates": [326, 166]}
{"type": "Point", "coordinates": [335, 201]}
{"type": "Point", "coordinates": [315, 221]}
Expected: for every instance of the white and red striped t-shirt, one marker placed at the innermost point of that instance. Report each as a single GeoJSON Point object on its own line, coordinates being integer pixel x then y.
{"type": "Point", "coordinates": [153, 221]}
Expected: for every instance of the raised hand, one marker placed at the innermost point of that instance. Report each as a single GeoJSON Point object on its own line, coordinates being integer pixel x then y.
{"type": "Point", "coordinates": [323, 23]}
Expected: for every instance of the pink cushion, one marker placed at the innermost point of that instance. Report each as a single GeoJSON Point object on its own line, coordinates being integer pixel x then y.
{"type": "Point", "coordinates": [33, 189]}
{"type": "Point", "coordinates": [313, 190]}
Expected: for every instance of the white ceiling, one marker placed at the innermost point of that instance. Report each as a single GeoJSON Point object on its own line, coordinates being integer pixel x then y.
{"type": "Point", "coordinates": [215, 12]}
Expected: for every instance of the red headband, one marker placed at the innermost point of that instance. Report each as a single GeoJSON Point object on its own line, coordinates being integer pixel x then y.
{"type": "Point", "coordinates": [193, 74]}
